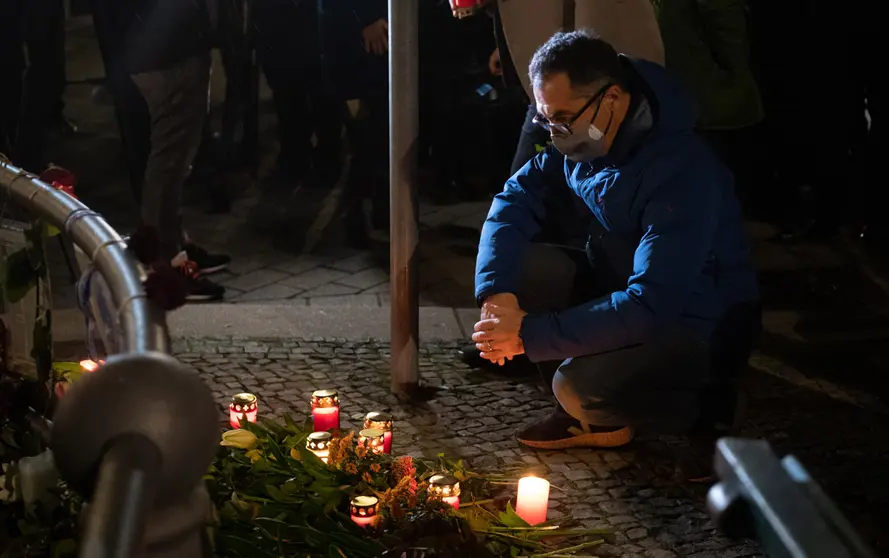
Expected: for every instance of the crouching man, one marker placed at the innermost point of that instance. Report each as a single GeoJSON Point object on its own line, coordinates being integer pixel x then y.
{"type": "Point", "coordinates": [655, 320]}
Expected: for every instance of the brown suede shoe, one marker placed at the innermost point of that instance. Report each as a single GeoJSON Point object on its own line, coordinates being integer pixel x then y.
{"type": "Point", "coordinates": [561, 431]}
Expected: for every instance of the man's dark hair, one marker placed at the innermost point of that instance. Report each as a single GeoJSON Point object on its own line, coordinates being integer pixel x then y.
{"type": "Point", "coordinates": [585, 57]}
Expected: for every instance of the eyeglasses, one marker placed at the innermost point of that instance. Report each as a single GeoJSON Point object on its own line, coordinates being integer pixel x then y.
{"type": "Point", "coordinates": [560, 129]}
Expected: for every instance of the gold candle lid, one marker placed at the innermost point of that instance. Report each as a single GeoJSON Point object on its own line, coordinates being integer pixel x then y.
{"type": "Point", "coordinates": [325, 398]}
{"type": "Point", "coordinates": [318, 441]}
{"type": "Point", "coordinates": [371, 433]}
{"type": "Point", "coordinates": [364, 506]}
{"type": "Point", "coordinates": [378, 420]}
{"type": "Point", "coordinates": [244, 402]}
{"type": "Point", "coordinates": [444, 485]}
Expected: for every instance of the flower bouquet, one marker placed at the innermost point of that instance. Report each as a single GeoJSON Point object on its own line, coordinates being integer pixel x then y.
{"type": "Point", "coordinates": [275, 497]}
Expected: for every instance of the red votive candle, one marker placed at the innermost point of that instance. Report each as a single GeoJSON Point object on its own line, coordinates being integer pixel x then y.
{"type": "Point", "coordinates": [381, 421]}
{"type": "Point", "coordinates": [532, 499]}
{"type": "Point", "coordinates": [325, 410]}
{"type": "Point", "coordinates": [446, 488]}
{"type": "Point", "coordinates": [244, 407]}
{"type": "Point", "coordinates": [363, 510]}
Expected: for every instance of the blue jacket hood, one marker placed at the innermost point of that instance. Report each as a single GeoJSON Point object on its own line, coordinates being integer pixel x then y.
{"type": "Point", "coordinates": [675, 108]}
{"type": "Point", "coordinates": [667, 236]}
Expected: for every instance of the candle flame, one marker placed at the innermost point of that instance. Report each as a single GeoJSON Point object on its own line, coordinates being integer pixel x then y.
{"type": "Point", "coordinates": [90, 365]}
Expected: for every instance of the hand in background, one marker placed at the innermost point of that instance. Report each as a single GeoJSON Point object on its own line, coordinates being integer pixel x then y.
{"type": "Point", "coordinates": [376, 37]}
{"type": "Point", "coordinates": [494, 65]}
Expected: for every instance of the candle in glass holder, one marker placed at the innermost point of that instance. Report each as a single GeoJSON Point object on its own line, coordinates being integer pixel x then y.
{"type": "Point", "coordinates": [244, 407]}
{"type": "Point", "coordinates": [445, 487]}
{"type": "Point", "coordinates": [532, 499]}
{"type": "Point", "coordinates": [319, 444]}
{"type": "Point", "coordinates": [363, 510]}
{"type": "Point", "coordinates": [90, 365]}
{"type": "Point", "coordinates": [374, 439]}
{"type": "Point", "coordinates": [325, 410]}
{"type": "Point", "coordinates": [381, 421]}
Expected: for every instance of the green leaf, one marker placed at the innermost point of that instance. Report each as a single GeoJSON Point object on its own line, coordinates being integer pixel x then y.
{"type": "Point", "coordinates": [64, 549]}
{"type": "Point", "coordinates": [510, 518]}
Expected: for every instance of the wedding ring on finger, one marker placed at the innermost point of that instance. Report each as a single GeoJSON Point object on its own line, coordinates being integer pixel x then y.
{"type": "Point", "coordinates": [488, 346]}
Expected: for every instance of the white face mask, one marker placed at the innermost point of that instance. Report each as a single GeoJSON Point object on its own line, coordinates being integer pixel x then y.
{"type": "Point", "coordinates": [584, 144]}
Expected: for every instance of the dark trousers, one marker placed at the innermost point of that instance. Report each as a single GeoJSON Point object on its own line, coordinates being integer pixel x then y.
{"type": "Point", "coordinates": [368, 132]}
{"type": "Point", "coordinates": [659, 382]}
{"type": "Point", "coordinates": [177, 102]}
{"type": "Point", "coordinates": [131, 111]}
{"type": "Point", "coordinates": [30, 100]}
{"type": "Point", "coordinates": [288, 51]}
{"type": "Point", "coordinates": [809, 143]}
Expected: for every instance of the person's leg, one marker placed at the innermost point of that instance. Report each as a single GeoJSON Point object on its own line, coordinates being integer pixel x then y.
{"type": "Point", "coordinates": [12, 62]}
{"type": "Point", "coordinates": [41, 22]}
{"type": "Point", "coordinates": [176, 100]}
{"type": "Point", "coordinates": [599, 397]}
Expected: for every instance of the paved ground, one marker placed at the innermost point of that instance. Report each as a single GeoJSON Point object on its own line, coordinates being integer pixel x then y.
{"type": "Point", "coordinates": [629, 490]}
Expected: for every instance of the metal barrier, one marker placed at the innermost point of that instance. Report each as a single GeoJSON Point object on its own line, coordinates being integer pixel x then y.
{"type": "Point", "coordinates": [136, 436]}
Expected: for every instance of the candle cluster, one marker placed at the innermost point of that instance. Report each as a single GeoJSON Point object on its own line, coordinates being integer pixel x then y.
{"type": "Point", "coordinates": [533, 492]}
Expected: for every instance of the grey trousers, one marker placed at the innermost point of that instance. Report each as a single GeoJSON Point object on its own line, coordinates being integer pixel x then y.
{"type": "Point", "coordinates": [654, 383]}
{"type": "Point", "coordinates": [177, 102]}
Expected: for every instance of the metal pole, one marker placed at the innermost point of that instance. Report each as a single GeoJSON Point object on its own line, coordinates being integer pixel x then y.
{"type": "Point", "coordinates": [403, 148]}
{"type": "Point", "coordinates": [143, 322]}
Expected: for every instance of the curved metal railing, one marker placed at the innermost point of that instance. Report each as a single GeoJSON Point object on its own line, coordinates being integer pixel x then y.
{"type": "Point", "coordinates": [143, 324]}
{"type": "Point", "coordinates": [136, 436]}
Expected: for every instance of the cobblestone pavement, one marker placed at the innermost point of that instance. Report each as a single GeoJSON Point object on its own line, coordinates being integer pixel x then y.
{"type": "Point", "coordinates": [628, 490]}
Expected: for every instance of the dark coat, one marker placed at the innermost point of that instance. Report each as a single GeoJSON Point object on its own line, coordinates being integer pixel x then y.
{"type": "Point", "coordinates": [354, 72]}
{"type": "Point", "coordinates": [158, 34]}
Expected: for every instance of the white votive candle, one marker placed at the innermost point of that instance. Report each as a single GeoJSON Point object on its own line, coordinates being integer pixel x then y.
{"type": "Point", "coordinates": [532, 499]}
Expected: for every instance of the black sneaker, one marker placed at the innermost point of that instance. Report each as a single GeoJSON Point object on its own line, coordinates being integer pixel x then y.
{"type": "Point", "coordinates": [199, 289]}
{"type": "Point", "coordinates": [561, 431]}
{"type": "Point", "coordinates": [206, 262]}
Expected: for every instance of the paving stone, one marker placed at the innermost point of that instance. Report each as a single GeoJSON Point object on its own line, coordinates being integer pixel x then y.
{"type": "Point", "coordinates": [255, 279]}
{"type": "Point", "coordinates": [353, 264]}
{"type": "Point", "coordinates": [330, 289]}
{"type": "Point", "coordinates": [365, 279]}
{"type": "Point", "coordinates": [314, 277]}
{"type": "Point", "coordinates": [650, 515]}
{"type": "Point", "coordinates": [355, 300]}
{"type": "Point", "coordinates": [274, 291]}
{"type": "Point", "coordinates": [299, 264]}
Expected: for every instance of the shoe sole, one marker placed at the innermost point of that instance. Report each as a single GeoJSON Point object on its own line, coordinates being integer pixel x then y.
{"type": "Point", "coordinates": [212, 270]}
{"type": "Point", "coordinates": [203, 298]}
{"type": "Point", "coordinates": [614, 439]}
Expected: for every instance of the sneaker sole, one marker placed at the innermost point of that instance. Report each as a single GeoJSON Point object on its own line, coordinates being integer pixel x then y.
{"type": "Point", "coordinates": [614, 439]}
{"type": "Point", "coordinates": [203, 298]}
{"type": "Point", "coordinates": [212, 270]}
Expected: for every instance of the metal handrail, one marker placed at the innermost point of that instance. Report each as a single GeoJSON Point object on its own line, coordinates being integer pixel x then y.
{"type": "Point", "coordinates": [142, 322]}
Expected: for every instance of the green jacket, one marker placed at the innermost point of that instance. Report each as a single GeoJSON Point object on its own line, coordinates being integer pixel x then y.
{"type": "Point", "coordinates": [706, 44]}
